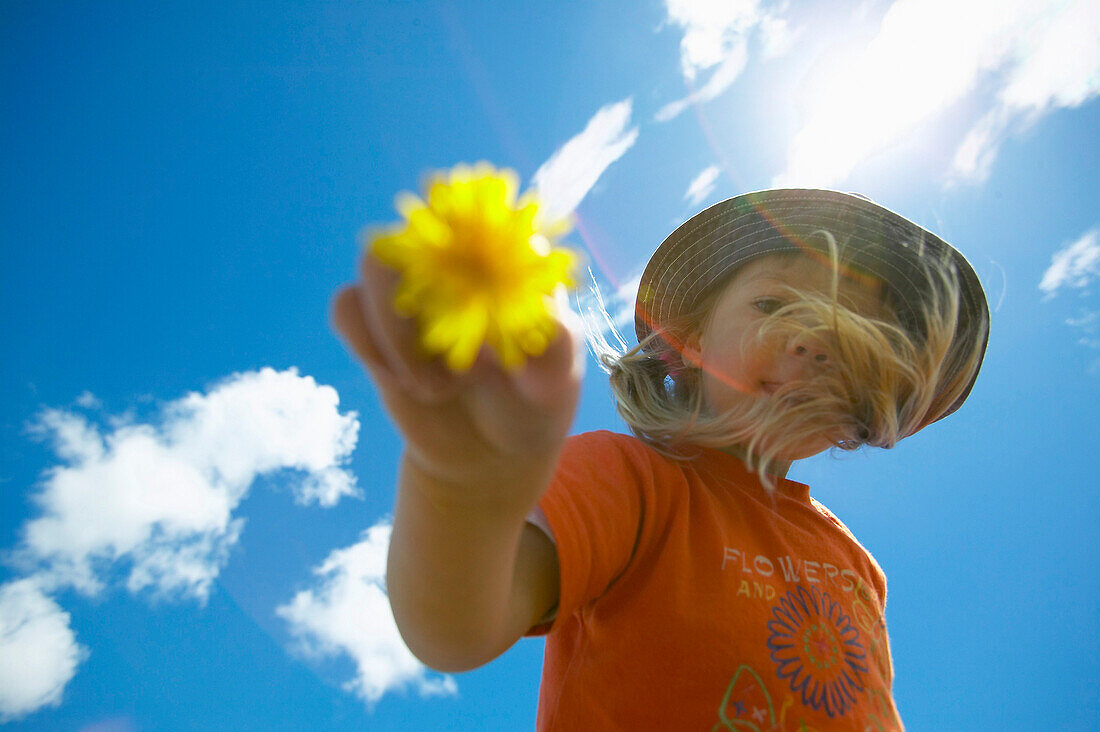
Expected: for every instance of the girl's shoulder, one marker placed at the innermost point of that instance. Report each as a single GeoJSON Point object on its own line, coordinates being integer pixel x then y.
{"type": "Point", "coordinates": [603, 437]}
{"type": "Point", "coordinates": [608, 441]}
{"type": "Point", "coordinates": [824, 511]}
{"type": "Point", "coordinates": [615, 457]}
{"type": "Point", "coordinates": [878, 576]}
{"type": "Point", "coordinates": [616, 446]}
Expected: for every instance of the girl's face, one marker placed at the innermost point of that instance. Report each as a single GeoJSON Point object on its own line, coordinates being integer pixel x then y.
{"type": "Point", "coordinates": [736, 365]}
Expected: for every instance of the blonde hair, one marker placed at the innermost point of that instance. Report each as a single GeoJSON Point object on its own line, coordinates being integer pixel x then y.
{"type": "Point", "coordinates": [893, 372]}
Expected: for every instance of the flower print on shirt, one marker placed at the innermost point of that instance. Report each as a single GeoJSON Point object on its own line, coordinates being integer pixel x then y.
{"type": "Point", "coordinates": [817, 649]}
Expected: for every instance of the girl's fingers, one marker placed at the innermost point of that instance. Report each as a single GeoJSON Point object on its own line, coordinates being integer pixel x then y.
{"type": "Point", "coordinates": [486, 411]}
{"type": "Point", "coordinates": [554, 376]}
{"type": "Point", "coordinates": [547, 381]}
{"type": "Point", "coordinates": [347, 319]}
{"type": "Point", "coordinates": [524, 411]}
{"type": "Point", "coordinates": [395, 338]}
{"type": "Point", "coordinates": [388, 345]}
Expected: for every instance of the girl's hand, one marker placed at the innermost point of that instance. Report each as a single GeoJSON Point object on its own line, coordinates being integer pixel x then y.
{"type": "Point", "coordinates": [487, 435]}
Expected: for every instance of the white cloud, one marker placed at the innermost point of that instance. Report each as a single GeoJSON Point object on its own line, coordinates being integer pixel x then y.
{"type": "Point", "coordinates": [265, 421]}
{"type": "Point", "coordinates": [775, 36]}
{"type": "Point", "coordinates": [716, 34]}
{"type": "Point", "coordinates": [1088, 325]}
{"type": "Point", "coordinates": [158, 499]}
{"type": "Point", "coordinates": [112, 724]}
{"type": "Point", "coordinates": [88, 400]}
{"type": "Point", "coordinates": [720, 80]}
{"type": "Point", "coordinates": [702, 185]}
{"type": "Point", "coordinates": [1056, 65]}
{"type": "Point", "coordinates": [348, 614]}
{"type": "Point", "coordinates": [930, 54]}
{"type": "Point", "coordinates": [1074, 265]}
{"type": "Point", "coordinates": [711, 29]}
{"type": "Point", "coordinates": [566, 178]}
{"type": "Point", "coordinates": [38, 650]}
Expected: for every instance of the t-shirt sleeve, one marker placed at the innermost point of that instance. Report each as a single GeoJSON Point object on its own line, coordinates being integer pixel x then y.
{"type": "Point", "coordinates": [594, 506]}
{"type": "Point", "coordinates": [877, 576]}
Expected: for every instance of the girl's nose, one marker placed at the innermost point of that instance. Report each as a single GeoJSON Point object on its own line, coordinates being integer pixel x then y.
{"type": "Point", "coordinates": [805, 356]}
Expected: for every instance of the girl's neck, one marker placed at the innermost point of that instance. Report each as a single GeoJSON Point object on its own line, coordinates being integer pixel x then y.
{"type": "Point", "coordinates": [777, 468]}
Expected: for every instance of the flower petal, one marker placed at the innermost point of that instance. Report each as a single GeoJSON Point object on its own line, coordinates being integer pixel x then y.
{"type": "Point", "coordinates": [476, 266]}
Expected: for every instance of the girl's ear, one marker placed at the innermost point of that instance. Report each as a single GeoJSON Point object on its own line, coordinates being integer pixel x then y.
{"type": "Point", "coordinates": [692, 352]}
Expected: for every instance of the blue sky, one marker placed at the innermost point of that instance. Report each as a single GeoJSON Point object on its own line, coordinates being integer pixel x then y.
{"type": "Point", "coordinates": [196, 479]}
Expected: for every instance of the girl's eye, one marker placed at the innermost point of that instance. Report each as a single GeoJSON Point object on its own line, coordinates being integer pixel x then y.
{"type": "Point", "coordinates": [767, 305]}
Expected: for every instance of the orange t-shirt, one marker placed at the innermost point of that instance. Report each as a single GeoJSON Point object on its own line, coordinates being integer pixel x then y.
{"type": "Point", "coordinates": [691, 599]}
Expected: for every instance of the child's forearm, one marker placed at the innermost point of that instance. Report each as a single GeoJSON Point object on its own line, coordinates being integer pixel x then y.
{"type": "Point", "coordinates": [466, 577]}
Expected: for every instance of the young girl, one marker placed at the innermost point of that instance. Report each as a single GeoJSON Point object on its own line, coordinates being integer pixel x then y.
{"type": "Point", "coordinates": [682, 582]}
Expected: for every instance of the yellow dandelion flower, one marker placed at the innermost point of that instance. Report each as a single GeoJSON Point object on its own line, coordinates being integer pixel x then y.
{"type": "Point", "coordinates": [476, 267]}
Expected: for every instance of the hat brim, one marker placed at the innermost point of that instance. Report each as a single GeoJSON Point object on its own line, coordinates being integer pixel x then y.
{"type": "Point", "coordinates": [705, 250]}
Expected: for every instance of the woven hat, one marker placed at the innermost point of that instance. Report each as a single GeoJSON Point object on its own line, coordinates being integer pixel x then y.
{"type": "Point", "coordinates": [705, 250]}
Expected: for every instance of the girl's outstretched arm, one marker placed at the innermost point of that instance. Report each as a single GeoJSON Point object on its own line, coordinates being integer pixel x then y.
{"type": "Point", "coordinates": [467, 576]}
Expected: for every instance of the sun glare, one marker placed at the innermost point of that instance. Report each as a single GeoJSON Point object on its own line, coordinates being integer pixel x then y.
{"type": "Point", "coordinates": [917, 65]}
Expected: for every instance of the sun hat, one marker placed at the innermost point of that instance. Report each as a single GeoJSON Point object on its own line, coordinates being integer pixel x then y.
{"type": "Point", "coordinates": [705, 250]}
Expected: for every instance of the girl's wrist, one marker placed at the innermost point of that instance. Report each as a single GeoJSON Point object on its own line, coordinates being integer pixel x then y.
{"type": "Point", "coordinates": [492, 491]}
